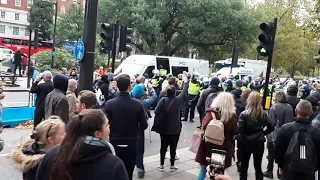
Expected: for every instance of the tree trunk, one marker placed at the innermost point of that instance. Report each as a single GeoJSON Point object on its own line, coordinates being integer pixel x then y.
{"type": "Point", "coordinates": [293, 70]}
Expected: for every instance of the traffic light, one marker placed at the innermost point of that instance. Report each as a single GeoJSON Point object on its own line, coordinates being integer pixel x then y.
{"type": "Point", "coordinates": [125, 39]}
{"type": "Point", "coordinates": [107, 36]}
{"type": "Point", "coordinates": [103, 50]}
{"type": "Point", "coordinates": [266, 38]}
{"type": "Point", "coordinates": [37, 38]}
{"type": "Point", "coordinates": [317, 58]}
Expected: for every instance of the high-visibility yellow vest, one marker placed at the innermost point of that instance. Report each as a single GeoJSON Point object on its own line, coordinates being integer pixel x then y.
{"type": "Point", "coordinates": [193, 89]}
{"type": "Point", "coordinates": [180, 83]}
{"type": "Point", "coordinates": [163, 72]}
{"type": "Point", "coordinates": [155, 82]}
{"type": "Point", "coordinates": [165, 85]}
{"type": "Point", "coordinates": [262, 90]}
{"type": "Point", "coordinates": [243, 88]}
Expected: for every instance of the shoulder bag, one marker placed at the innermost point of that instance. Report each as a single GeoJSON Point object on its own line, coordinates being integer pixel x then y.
{"type": "Point", "coordinates": [159, 124]}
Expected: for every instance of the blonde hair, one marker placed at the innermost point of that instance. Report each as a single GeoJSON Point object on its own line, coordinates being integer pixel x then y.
{"type": "Point", "coordinates": [254, 106]}
{"type": "Point", "coordinates": [224, 103]}
{"type": "Point", "coordinates": [47, 128]}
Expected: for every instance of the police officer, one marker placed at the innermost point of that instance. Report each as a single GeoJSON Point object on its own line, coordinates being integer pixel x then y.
{"type": "Point", "coordinates": [228, 85]}
{"type": "Point", "coordinates": [193, 96]}
{"type": "Point", "coordinates": [180, 82]}
{"type": "Point", "coordinates": [156, 83]}
{"type": "Point", "coordinates": [163, 72]}
{"type": "Point", "coordinates": [165, 83]}
{"type": "Point", "coordinates": [304, 90]}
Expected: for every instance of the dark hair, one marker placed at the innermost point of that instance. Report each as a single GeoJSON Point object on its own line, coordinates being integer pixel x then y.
{"type": "Point", "coordinates": [123, 82]}
{"type": "Point", "coordinates": [88, 98]}
{"type": "Point", "coordinates": [171, 91]}
{"type": "Point", "coordinates": [172, 80]}
{"type": "Point", "coordinates": [86, 124]}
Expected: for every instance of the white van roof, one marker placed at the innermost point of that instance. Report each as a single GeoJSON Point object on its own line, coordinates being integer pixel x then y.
{"type": "Point", "coordinates": [226, 71]}
{"type": "Point", "coordinates": [145, 59]}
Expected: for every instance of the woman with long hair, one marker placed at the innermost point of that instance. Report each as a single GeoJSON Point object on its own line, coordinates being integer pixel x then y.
{"type": "Point", "coordinates": [223, 107]}
{"type": "Point", "coordinates": [28, 154]}
{"type": "Point", "coordinates": [85, 153]}
{"type": "Point", "coordinates": [252, 123]}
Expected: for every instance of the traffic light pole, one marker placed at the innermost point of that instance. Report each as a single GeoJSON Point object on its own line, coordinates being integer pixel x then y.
{"type": "Point", "coordinates": [266, 84]}
{"type": "Point", "coordinates": [114, 44]}
{"type": "Point", "coordinates": [89, 38]}
{"type": "Point", "coordinates": [29, 58]}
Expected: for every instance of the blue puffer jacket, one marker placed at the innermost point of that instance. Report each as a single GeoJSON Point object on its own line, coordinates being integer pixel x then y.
{"type": "Point", "coordinates": [138, 91]}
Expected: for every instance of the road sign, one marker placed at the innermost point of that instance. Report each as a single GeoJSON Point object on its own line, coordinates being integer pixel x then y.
{"type": "Point", "coordinates": [79, 51]}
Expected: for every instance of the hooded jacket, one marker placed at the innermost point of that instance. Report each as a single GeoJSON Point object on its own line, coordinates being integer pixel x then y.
{"type": "Point", "coordinates": [292, 98]}
{"type": "Point", "coordinates": [26, 158]}
{"type": "Point", "coordinates": [103, 85]}
{"type": "Point", "coordinates": [137, 93]}
{"type": "Point", "coordinates": [202, 100]}
{"type": "Point", "coordinates": [92, 162]}
{"type": "Point", "coordinates": [56, 102]}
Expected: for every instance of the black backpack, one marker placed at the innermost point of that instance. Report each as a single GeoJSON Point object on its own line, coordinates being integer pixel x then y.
{"type": "Point", "coordinates": [301, 154]}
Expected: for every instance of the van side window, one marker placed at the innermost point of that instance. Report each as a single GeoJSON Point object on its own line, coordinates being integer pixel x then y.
{"type": "Point", "coordinates": [176, 70]}
{"type": "Point", "coordinates": [148, 73]}
{"type": "Point", "coordinates": [236, 77]}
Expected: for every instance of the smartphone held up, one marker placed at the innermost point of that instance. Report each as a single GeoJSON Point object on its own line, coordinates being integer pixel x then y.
{"type": "Point", "coordinates": [217, 164]}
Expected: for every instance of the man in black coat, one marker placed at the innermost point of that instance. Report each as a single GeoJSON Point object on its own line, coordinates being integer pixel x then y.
{"type": "Point", "coordinates": [214, 88]}
{"type": "Point", "coordinates": [284, 135]}
{"type": "Point", "coordinates": [292, 98]}
{"type": "Point", "coordinates": [41, 90]}
{"type": "Point", "coordinates": [17, 60]}
{"type": "Point", "coordinates": [126, 118]}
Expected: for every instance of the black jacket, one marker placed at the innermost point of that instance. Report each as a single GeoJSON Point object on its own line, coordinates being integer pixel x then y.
{"type": "Point", "coordinates": [42, 90]}
{"type": "Point", "coordinates": [240, 105]}
{"type": "Point", "coordinates": [252, 129]}
{"type": "Point", "coordinates": [93, 162]}
{"type": "Point", "coordinates": [293, 101]}
{"type": "Point", "coordinates": [202, 100]}
{"type": "Point", "coordinates": [173, 123]}
{"type": "Point", "coordinates": [17, 57]}
{"type": "Point", "coordinates": [126, 116]}
{"type": "Point", "coordinates": [284, 136]}
{"type": "Point", "coordinates": [103, 85]}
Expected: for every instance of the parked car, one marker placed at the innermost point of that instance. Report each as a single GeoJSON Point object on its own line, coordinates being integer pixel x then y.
{"type": "Point", "coordinates": [5, 54]}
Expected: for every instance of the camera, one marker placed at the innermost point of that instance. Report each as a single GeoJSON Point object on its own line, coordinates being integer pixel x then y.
{"type": "Point", "coordinates": [217, 164]}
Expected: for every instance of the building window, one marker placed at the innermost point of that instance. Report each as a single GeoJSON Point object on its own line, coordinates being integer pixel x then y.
{"type": "Point", "coordinates": [3, 1]}
{"type": "Point", "coordinates": [62, 10]}
{"type": "Point", "coordinates": [15, 31]}
{"type": "Point", "coordinates": [26, 32]}
{"type": "Point", "coordinates": [28, 17]}
{"type": "Point", "coordinates": [2, 29]}
{"type": "Point", "coordinates": [29, 3]}
{"type": "Point", "coordinates": [16, 16]}
{"type": "Point", "coordinates": [3, 14]}
{"type": "Point", "coordinates": [18, 2]}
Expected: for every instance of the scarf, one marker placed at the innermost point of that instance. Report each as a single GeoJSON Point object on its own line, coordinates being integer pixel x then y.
{"type": "Point", "coordinates": [99, 142]}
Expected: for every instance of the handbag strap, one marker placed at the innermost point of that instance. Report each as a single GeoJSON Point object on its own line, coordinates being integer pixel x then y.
{"type": "Point", "coordinates": [169, 105]}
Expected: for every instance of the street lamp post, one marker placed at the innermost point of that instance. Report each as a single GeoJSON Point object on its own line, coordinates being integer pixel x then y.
{"type": "Point", "coordinates": [54, 30]}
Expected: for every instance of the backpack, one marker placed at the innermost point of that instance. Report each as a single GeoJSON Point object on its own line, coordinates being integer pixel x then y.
{"type": "Point", "coordinates": [209, 99]}
{"type": "Point", "coordinates": [214, 132]}
{"type": "Point", "coordinates": [301, 153]}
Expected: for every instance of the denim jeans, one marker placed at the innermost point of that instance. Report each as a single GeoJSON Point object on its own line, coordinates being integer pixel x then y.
{"type": "Point", "coordinates": [202, 173]}
{"type": "Point", "coordinates": [140, 152]}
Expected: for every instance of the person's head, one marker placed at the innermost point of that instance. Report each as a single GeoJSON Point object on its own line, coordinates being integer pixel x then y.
{"type": "Point", "coordinates": [109, 70]}
{"type": "Point", "coordinates": [304, 109]}
{"type": "Point", "coordinates": [90, 122]}
{"type": "Point", "coordinates": [140, 80]}
{"type": "Point", "coordinates": [238, 84]}
{"type": "Point", "coordinates": [86, 100]}
{"type": "Point", "coordinates": [254, 106]}
{"type": "Point", "coordinates": [314, 102]}
{"type": "Point", "coordinates": [46, 76]}
{"type": "Point", "coordinates": [172, 80]}
{"type": "Point", "coordinates": [171, 91]}
{"type": "Point", "coordinates": [214, 81]}
{"type": "Point", "coordinates": [317, 88]}
{"type": "Point", "coordinates": [280, 97]}
{"type": "Point", "coordinates": [123, 83]}
{"type": "Point", "coordinates": [245, 94]}
{"type": "Point", "coordinates": [64, 71]}
{"type": "Point", "coordinates": [292, 90]}
{"type": "Point", "coordinates": [138, 91]}
{"type": "Point", "coordinates": [60, 82]}
{"type": "Point", "coordinates": [224, 103]}
{"type": "Point", "coordinates": [19, 49]}
{"type": "Point", "coordinates": [49, 133]}
{"type": "Point", "coordinates": [72, 85]}
{"type": "Point", "coordinates": [105, 78]}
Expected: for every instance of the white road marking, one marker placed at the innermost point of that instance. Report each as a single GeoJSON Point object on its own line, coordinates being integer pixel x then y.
{"type": "Point", "coordinates": [4, 155]}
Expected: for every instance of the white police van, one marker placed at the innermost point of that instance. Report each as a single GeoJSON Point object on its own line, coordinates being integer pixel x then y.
{"type": "Point", "coordinates": [145, 64]}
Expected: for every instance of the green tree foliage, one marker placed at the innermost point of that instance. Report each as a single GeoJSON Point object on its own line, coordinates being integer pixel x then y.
{"type": "Point", "coordinates": [166, 27]}
{"type": "Point", "coordinates": [41, 16]}
{"type": "Point", "coordinates": [70, 25]}
{"type": "Point", "coordinates": [63, 59]}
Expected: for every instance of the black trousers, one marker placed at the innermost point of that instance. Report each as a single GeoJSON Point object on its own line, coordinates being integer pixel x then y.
{"type": "Point", "coordinates": [246, 151]}
{"type": "Point", "coordinates": [172, 141]}
{"type": "Point", "coordinates": [270, 156]}
{"type": "Point", "coordinates": [38, 117]}
{"type": "Point", "coordinates": [15, 68]}
{"type": "Point", "coordinates": [192, 108]}
{"type": "Point", "coordinates": [126, 150]}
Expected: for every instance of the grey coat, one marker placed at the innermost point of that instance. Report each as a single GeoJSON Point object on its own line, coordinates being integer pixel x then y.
{"type": "Point", "coordinates": [56, 103]}
{"type": "Point", "coordinates": [173, 121]}
{"type": "Point", "coordinates": [279, 114]}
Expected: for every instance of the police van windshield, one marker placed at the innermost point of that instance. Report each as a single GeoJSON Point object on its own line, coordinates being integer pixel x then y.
{"type": "Point", "coordinates": [130, 69]}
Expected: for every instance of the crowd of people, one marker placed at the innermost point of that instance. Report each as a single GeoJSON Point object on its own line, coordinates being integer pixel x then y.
{"type": "Point", "coordinates": [102, 131]}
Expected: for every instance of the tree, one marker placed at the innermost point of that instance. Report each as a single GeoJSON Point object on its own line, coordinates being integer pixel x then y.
{"type": "Point", "coordinates": [167, 27]}
{"type": "Point", "coordinates": [41, 16]}
{"type": "Point", "coordinates": [70, 25]}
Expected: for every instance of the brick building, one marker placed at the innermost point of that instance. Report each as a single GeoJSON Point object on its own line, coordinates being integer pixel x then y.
{"type": "Point", "coordinates": [14, 16]}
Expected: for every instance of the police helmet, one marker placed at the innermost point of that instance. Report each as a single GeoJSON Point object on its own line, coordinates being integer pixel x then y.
{"type": "Point", "coordinates": [228, 83]}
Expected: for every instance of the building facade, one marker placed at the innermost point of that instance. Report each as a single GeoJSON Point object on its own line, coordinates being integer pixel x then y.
{"type": "Point", "coordinates": [14, 16]}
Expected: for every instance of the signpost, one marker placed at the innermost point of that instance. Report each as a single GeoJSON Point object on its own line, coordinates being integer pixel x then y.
{"type": "Point", "coordinates": [79, 51]}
